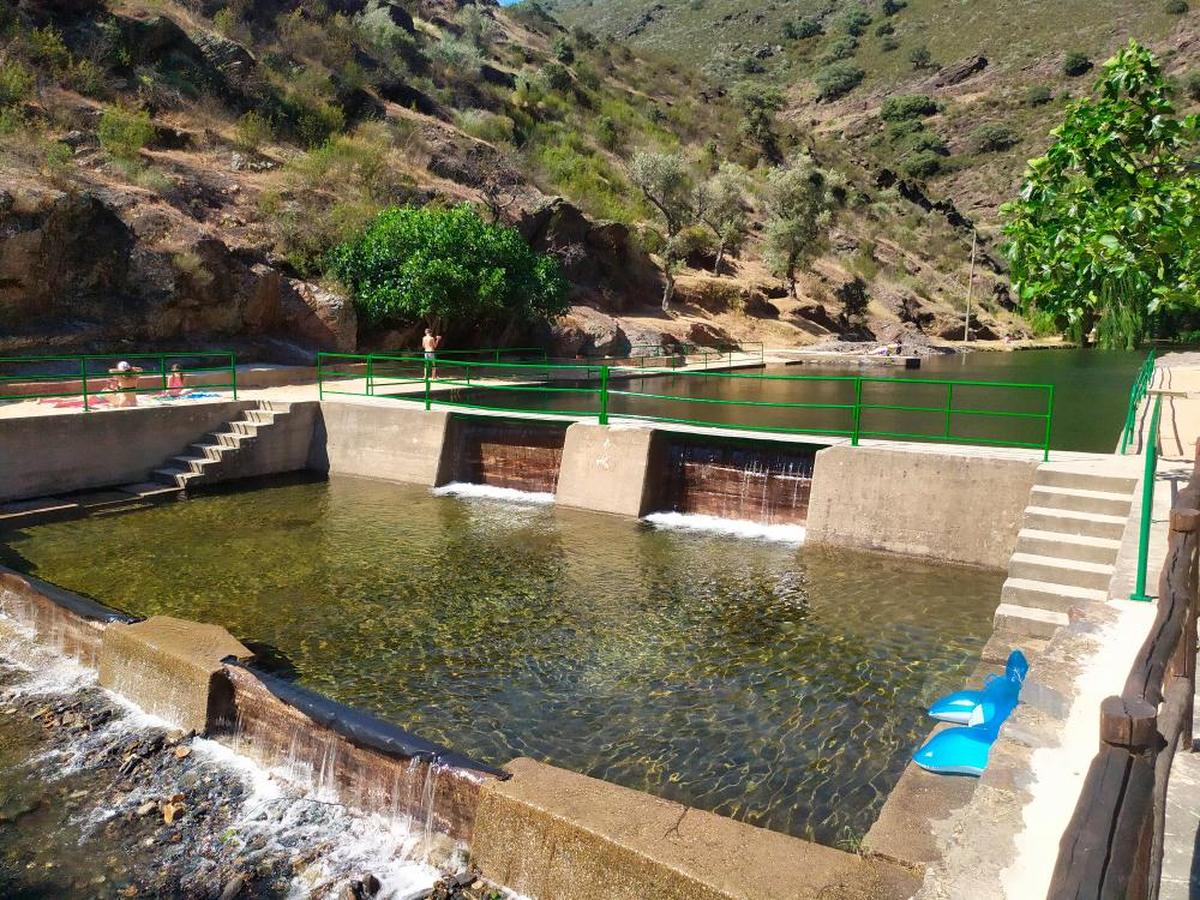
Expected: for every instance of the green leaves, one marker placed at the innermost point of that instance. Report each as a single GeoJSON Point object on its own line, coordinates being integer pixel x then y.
{"type": "Point", "coordinates": [423, 264]}
{"type": "Point", "coordinates": [1104, 231]}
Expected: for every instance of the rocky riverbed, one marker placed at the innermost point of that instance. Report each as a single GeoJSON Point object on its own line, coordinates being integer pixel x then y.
{"type": "Point", "coordinates": [99, 800]}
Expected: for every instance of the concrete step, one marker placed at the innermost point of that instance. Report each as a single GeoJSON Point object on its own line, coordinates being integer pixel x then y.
{"type": "Point", "coordinates": [1106, 503]}
{"type": "Point", "coordinates": [151, 490]}
{"type": "Point", "coordinates": [261, 416]}
{"type": "Point", "coordinates": [1051, 476]}
{"type": "Point", "coordinates": [196, 464]}
{"type": "Point", "coordinates": [276, 406]}
{"type": "Point", "coordinates": [38, 511]}
{"type": "Point", "coordinates": [234, 440]}
{"type": "Point", "coordinates": [1067, 546]}
{"type": "Point", "coordinates": [1021, 620]}
{"type": "Point", "coordinates": [175, 476]}
{"type": "Point", "coordinates": [247, 428]}
{"type": "Point", "coordinates": [1048, 595]}
{"type": "Point", "coordinates": [1067, 521]}
{"type": "Point", "coordinates": [210, 451]}
{"type": "Point", "coordinates": [1060, 571]}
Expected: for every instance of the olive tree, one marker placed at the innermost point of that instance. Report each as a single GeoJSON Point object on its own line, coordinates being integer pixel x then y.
{"type": "Point", "coordinates": [1105, 230]}
{"type": "Point", "coordinates": [800, 202]}
{"type": "Point", "coordinates": [722, 207]}
{"type": "Point", "coordinates": [666, 182]}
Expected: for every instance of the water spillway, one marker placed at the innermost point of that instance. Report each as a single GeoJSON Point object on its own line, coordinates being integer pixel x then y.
{"type": "Point", "coordinates": [506, 453]}
{"type": "Point", "coordinates": [764, 483]}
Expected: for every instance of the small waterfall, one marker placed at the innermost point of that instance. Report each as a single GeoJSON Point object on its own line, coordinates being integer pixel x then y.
{"type": "Point", "coordinates": [764, 484]}
{"type": "Point", "coordinates": [505, 453]}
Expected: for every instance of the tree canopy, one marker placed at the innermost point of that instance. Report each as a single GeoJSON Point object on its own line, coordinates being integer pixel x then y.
{"type": "Point", "coordinates": [800, 201]}
{"type": "Point", "coordinates": [666, 181]}
{"type": "Point", "coordinates": [414, 265]}
{"type": "Point", "coordinates": [1106, 230]}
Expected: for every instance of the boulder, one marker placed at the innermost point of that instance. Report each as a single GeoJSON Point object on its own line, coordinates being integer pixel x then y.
{"type": "Point", "coordinates": [226, 56]}
{"type": "Point", "coordinates": [702, 334]}
{"type": "Point", "coordinates": [757, 305]}
{"type": "Point", "coordinates": [818, 315]}
{"type": "Point", "coordinates": [960, 71]}
{"type": "Point", "coordinates": [588, 332]}
{"type": "Point", "coordinates": [318, 316]}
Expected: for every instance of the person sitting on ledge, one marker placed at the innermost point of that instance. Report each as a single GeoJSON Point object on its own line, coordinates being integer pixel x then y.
{"type": "Point", "coordinates": [124, 382]}
{"type": "Point", "coordinates": [175, 381]}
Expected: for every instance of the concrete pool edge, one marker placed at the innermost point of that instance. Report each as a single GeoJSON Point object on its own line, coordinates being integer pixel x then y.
{"type": "Point", "coordinates": [612, 830]}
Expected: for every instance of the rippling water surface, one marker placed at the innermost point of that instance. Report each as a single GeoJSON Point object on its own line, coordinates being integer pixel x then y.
{"type": "Point", "coordinates": [783, 686]}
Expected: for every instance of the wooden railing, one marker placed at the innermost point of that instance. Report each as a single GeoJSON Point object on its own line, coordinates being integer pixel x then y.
{"type": "Point", "coordinates": [1113, 846]}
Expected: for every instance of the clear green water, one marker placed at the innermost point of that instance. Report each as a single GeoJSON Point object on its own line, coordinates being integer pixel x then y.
{"type": "Point", "coordinates": [1091, 392]}
{"type": "Point", "coordinates": [782, 686]}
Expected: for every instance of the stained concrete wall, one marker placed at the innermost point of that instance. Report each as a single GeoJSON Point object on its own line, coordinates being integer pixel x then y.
{"type": "Point", "coordinates": [42, 455]}
{"type": "Point", "coordinates": [555, 835]}
{"type": "Point", "coordinates": [386, 440]}
{"type": "Point", "coordinates": [958, 507]}
{"type": "Point", "coordinates": [611, 468]}
{"type": "Point", "coordinates": [286, 446]}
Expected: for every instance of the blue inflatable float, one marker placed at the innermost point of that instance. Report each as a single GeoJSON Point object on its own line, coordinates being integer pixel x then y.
{"type": "Point", "coordinates": [964, 750]}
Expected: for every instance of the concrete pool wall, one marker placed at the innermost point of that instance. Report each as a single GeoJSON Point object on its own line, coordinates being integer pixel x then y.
{"type": "Point", "coordinates": [959, 504]}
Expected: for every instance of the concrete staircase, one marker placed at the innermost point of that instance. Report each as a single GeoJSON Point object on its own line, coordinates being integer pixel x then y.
{"type": "Point", "coordinates": [1067, 547]}
{"type": "Point", "coordinates": [217, 452]}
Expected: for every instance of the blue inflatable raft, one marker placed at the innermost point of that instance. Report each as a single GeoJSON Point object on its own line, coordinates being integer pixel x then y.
{"type": "Point", "coordinates": [964, 750]}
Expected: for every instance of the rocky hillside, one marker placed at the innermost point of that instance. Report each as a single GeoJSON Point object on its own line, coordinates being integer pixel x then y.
{"type": "Point", "coordinates": [174, 173]}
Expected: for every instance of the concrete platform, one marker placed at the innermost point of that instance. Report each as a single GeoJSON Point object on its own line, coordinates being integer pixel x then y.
{"type": "Point", "coordinates": [555, 835]}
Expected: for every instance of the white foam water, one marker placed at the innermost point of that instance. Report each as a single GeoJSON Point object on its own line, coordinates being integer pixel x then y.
{"type": "Point", "coordinates": [786, 534]}
{"type": "Point", "coordinates": [491, 492]}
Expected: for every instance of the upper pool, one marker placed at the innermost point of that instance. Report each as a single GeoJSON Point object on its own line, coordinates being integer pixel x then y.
{"type": "Point", "coordinates": [785, 687]}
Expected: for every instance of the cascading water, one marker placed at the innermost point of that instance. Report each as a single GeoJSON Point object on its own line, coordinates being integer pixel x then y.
{"type": "Point", "coordinates": [507, 454]}
{"type": "Point", "coordinates": [755, 491]}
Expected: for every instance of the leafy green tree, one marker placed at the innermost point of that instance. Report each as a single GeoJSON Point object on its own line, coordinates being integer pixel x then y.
{"type": "Point", "coordinates": [124, 132]}
{"type": "Point", "coordinates": [799, 29]}
{"type": "Point", "coordinates": [855, 21]}
{"type": "Point", "coordinates": [837, 80]}
{"type": "Point", "coordinates": [920, 58]}
{"type": "Point", "coordinates": [447, 267]}
{"type": "Point", "coordinates": [800, 202]}
{"type": "Point", "coordinates": [759, 104]}
{"type": "Point", "coordinates": [666, 182]}
{"type": "Point", "coordinates": [722, 207]}
{"type": "Point", "coordinates": [1106, 230]}
{"type": "Point", "coordinates": [907, 106]}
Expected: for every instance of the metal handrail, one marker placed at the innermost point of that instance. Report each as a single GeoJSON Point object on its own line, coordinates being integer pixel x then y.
{"type": "Point", "coordinates": [1149, 472]}
{"type": "Point", "coordinates": [87, 379]}
{"type": "Point", "coordinates": [595, 380]}
{"type": "Point", "coordinates": [1137, 392]}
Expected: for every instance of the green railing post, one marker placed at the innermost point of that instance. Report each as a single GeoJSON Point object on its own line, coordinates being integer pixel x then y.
{"type": "Point", "coordinates": [428, 386]}
{"type": "Point", "coordinates": [949, 406]}
{"type": "Point", "coordinates": [1049, 420]}
{"type": "Point", "coordinates": [162, 371]}
{"type": "Point", "coordinates": [1148, 472]}
{"type": "Point", "coordinates": [857, 412]}
{"type": "Point", "coordinates": [604, 395]}
{"type": "Point", "coordinates": [233, 373]}
{"type": "Point", "coordinates": [83, 380]}
{"type": "Point", "coordinates": [370, 375]}
{"type": "Point", "coordinates": [320, 383]}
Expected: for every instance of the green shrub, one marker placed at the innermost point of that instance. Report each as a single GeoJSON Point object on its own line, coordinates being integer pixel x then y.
{"type": "Point", "coordinates": [883, 29]}
{"type": "Point", "coordinates": [888, 44]}
{"type": "Point", "coordinates": [608, 133]}
{"type": "Point", "coordinates": [58, 161]}
{"type": "Point", "coordinates": [1076, 64]}
{"type": "Point", "coordinates": [837, 80]}
{"type": "Point", "coordinates": [920, 58]}
{"type": "Point", "coordinates": [414, 265]}
{"type": "Point", "coordinates": [1039, 95]}
{"type": "Point", "coordinates": [908, 106]}
{"type": "Point", "coordinates": [799, 29]}
{"type": "Point", "coordinates": [252, 130]}
{"type": "Point", "coordinates": [556, 76]}
{"type": "Point", "coordinates": [993, 138]}
{"type": "Point", "coordinates": [456, 56]}
{"type": "Point", "coordinates": [1175, 7]}
{"type": "Point", "coordinates": [1193, 86]}
{"type": "Point", "coordinates": [855, 21]}
{"type": "Point", "coordinates": [16, 83]}
{"type": "Point", "coordinates": [891, 7]}
{"type": "Point", "coordinates": [924, 141]}
{"type": "Point", "coordinates": [487, 126]}
{"type": "Point", "coordinates": [124, 132]}
{"type": "Point", "coordinates": [47, 48]}
{"type": "Point", "coordinates": [841, 48]}
{"type": "Point", "coordinates": [923, 164]}
{"type": "Point", "coordinates": [563, 51]}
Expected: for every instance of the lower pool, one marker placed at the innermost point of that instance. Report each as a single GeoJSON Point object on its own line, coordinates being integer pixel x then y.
{"type": "Point", "coordinates": [782, 686]}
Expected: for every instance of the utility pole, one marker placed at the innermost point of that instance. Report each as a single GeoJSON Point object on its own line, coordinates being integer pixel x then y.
{"type": "Point", "coordinates": [970, 287]}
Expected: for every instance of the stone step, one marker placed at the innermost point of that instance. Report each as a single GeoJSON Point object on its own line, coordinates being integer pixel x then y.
{"type": "Point", "coordinates": [211, 451]}
{"type": "Point", "coordinates": [150, 490]}
{"type": "Point", "coordinates": [196, 464]}
{"type": "Point", "coordinates": [1060, 571]}
{"type": "Point", "coordinates": [276, 406]}
{"type": "Point", "coordinates": [1048, 595]}
{"type": "Point", "coordinates": [1022, 620]}
{"type": "Point", "coordinates": [1105, 503]}
{"type": "Point", "coordinates": [234, 440]}
{"type": "Point", "coordinates": [1067, 546]}
{"type": "Point", "coordinates": [1067, 521]}
{"type": "Point", "coordinates": [261, 416]}
{"type": "Point", "coordinates": [247, 428]}
{"type": "Point", "coordinates": [1052, 476]}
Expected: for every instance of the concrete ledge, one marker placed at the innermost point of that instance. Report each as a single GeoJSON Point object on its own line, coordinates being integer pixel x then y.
{"type": "Point", "coordinates": [389, 441]}
{"type": "Point", "coordinates": [167, 666]}
{"type": "Point", "coordinates": [555, 835]}
{"type": "Point", "coordinates": [610, 468]}
{"type": "Point", "coordinates": [954, 507]}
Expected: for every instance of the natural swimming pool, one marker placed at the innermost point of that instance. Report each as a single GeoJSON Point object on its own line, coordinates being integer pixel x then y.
{"type": "Point", "coordinates": [785, 687]}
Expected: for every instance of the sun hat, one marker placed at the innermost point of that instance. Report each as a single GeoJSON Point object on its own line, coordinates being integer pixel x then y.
{"type": "Point", "coordinates": [123, 366]}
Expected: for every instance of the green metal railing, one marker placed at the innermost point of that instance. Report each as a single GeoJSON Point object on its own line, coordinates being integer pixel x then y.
{"type": "Point", "coordinates": [1149, 471]}
{"type": "Point", "coordinates": [643, 354]}
{"type": "Point", "coordinates": [1137, 393]}
{"type": "Point", "coordinates": [495, 354]}
{"type": "Point", "coordinates": [91, 376]}
{"type": "Point", "coordinates": [855, 401]}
